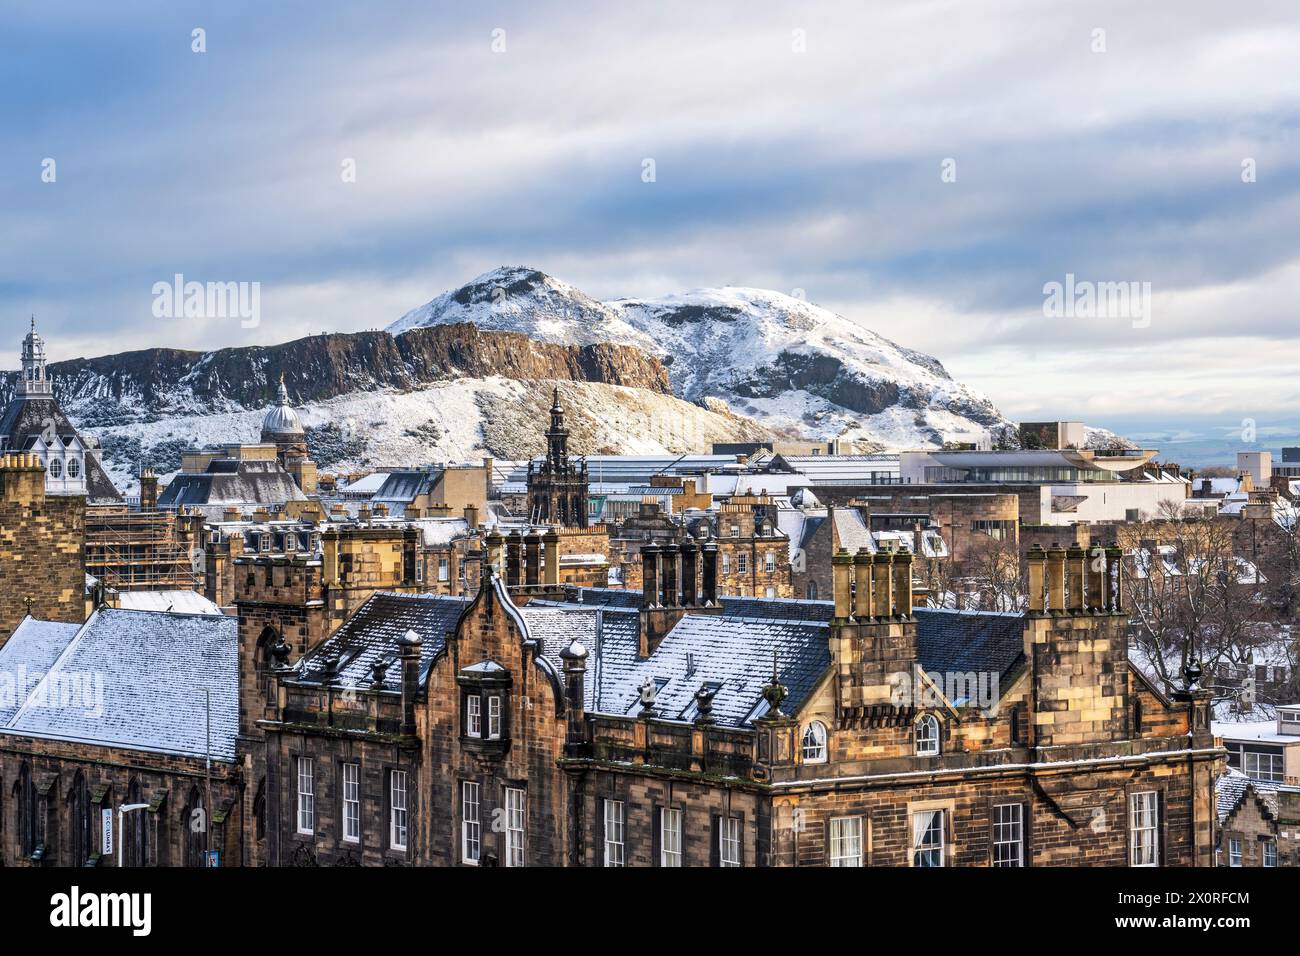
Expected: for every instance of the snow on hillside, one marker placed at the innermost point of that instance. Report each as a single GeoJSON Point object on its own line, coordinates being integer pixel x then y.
{"type": "Point", "coordinates": [797, 368]}
{"type": "Point", "coordinates": [454, 421]}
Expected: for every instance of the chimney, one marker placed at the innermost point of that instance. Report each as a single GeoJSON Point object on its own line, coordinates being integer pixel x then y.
{"type": "Point", "coordinates": [690, 564]}
{"type": "Point", "coordinates": [862, 584]}
{"type": "Point", "coordinates": [471, 515]}
{"type": "Point", "coordinates": [551, 558]}
{"type": "Point", "coordinates": [514, 559]}
{"type": "Point", "coordinates": [494, 543]}
{"type": "Point", "coordinates": [1056, 578]}
{"type": "Point", "coordinates": [232, 514]}
{"type": "Point", "coordinates": [1076, 560]}
{"type": "Point", "coordinates": [903, 584]}
{"type": "Point", "coordinates": [532, 559]}
{"type": "Point", "coordinates": [709, 574]}
{"type": "Point", "coordinates": [841, 573]}
{"type": "Point", "coordinates": [883, 584]}
{"type": "Point", "coordinates": [22, 479]}
{"type": "Point", "coordinates": [668, 578]}
{"type": "Point", "coordinates": [1037, 561]}
{"type": "Point", "coordinates": [148, 490]}
{"type": "Point", "coordinates": [649, 576]}
{"type": "Point", "coordinates": [409, 647]}
{"type": "Point", "coordinates": [574, 658]}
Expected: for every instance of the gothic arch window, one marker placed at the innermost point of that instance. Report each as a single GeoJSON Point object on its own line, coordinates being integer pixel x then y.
{"type": "Point", "coordinates": [135, 828]}
{"type": "Point", "coordinates": [194, 842]}
{"type": "Point", "coordinates": [81, 826]}
{"type": "Point", "coordinates": [927, 736]}
{"type": "Point", "coordinates": [259, 811]}
{"type": "Point", "coordinates": [814, 743]}
{"type": "Point", "coordinates": [25, 811]}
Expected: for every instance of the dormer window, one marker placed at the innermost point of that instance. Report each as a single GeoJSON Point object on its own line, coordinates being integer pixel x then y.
{"type": "Point", "coordinates": [814, 743]}
{"type": "Point", "coordinates": [485, 717]}
{"type": "Point", "coordinates": [473, 715]}
{"type": "Point", "coordinates": [56, 468]}
{"type": "Point", "coordinates": [927, 736]}
{"type": "Point", "coordinates": [266, 541]}
{"type": "Point", "coordinates": [74, 468]}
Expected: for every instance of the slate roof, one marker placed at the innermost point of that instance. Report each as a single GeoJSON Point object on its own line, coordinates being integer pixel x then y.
{"type": "Point", "coordinates": [959, 642]}
{"type": "Point", "coordinates": [151, 669]}
{"type": "Point", "coordinates": [27, 655]}
{"type": "Point", "coordinates": [1230, 790]}
{"type": "Point", "coordinates": [252, 482]}
{"type": "Point", "coordinates": [183, 602]}
{"type": "Point", "coordinates": [25, 417]}
{"type": "Point", "coordinates": [371, 634]}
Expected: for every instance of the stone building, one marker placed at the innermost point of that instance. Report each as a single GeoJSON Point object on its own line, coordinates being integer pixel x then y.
{"type": "Point", "coordinates": [558, 487]}
{"type": "Point", "coordinates": [753, 551]}
{"type": "Point", "coordinates": [283, 428]}
{"type": "Point", "coordinates": [116, 713]}
{"type": "Point", "coordinates": [1259, 823]}
{"type": "Point", "coordinates": [33, 423]}
{"type": "Point", "coordinates": [546, 726]}
{"type": "Point", "coordinates": [41, 539]}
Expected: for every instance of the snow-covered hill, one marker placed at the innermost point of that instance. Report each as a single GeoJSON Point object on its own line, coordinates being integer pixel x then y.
{"type": "Point", "coordinates": [799, 369]}
{"type": "Point", "coordinates": [456, 420]}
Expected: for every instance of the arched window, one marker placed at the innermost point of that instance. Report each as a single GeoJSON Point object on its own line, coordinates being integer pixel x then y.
{"type": "Point", "coordinates": [814, 743]}
{"type": "Point", "coordinates": [195, 846]}
{"type": "Point", "coordinates": [74, 468]}
{"type": "Point", "coordinates": [259, 811]}
{"type": "Point", "coordinates": [25, 807]}
{"type": "Point", "coordinates": [135, 827]}
{"type": "Point", "coordinates": [927, 736]}
{"type": "Point", "coordinates": [81, 829]}
{"type": "Point", "coordinates": [56, 468]}
{"type": "Point", "coordinates": [812, 590]}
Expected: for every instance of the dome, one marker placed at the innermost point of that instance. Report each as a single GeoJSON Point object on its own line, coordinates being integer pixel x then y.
{"type": "Point", "coordinates": [282, 420]}
{"type": "Point", "coordinates": [804, 498]}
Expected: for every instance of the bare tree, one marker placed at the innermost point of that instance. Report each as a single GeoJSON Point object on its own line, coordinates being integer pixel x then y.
{"type": "Point", "coordinates": [996, 578]}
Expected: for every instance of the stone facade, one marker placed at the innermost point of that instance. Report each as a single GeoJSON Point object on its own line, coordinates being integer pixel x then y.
{"type": "Point", "coordinates": [41, 541]}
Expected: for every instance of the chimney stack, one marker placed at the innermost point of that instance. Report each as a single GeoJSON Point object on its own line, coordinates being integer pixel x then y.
{"type": "Point", "coordinates": [551, 558]}
{"type": "Point", "coordinates": [148, 490]}
{"type": "Point", "coordinates": [574, 658]}
{"type": "Point", "coordinates": [409, 647]}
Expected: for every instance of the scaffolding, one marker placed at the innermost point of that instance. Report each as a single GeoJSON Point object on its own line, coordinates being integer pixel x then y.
{"type": "Point", "coordinates": [140, 551]}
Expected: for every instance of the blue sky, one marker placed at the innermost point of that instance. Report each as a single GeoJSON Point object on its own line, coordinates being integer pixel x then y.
{"type": "Point", "coordinates": [816, 170]}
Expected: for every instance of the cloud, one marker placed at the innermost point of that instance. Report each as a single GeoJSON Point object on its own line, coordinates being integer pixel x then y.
{"type": "Point", "coordinates": [817, 170]}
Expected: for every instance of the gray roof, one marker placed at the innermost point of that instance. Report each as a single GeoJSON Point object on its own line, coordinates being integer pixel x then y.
{"type": "Point", "coordinates": [246, 483]}
{"type": "Point", "coordinates": [959, 642]}
{"type": "Point", "coordinates": [136, 680]}
{"type": "Point", "coordinates": [27, 655]}
{"type": "Point", "coordinates": [371, 635]}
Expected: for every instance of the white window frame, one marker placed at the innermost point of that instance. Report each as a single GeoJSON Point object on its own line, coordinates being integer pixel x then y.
{"type": "Point", "coordinates": [471, 826]}
{"type": "Point", "coordinates": [726, 562]}
{"type": "Point", "coordinates": [1268, 853]}
{"type": "Point", "coordinates": [419, 570]}
{"type": "Point", "coordinates": [820, 743]}
{"type": "Point", "coordinates": [730, 848]}
{"type": "Point", "coordinates": [516, 810]}
{"type": "Point", "coordinates": [1276, 766]}
{"type": "Point", "coordinates": [1009, 834]}
{"type": "Point", "coordinates": [846, 841]}
{"type": "Point", "coordinates": [397, 815]}
{"type": "Point", "coordinates": [494, 717]}
{"type": "Point", "coordinates": [670, 837]}
{"type": "Point", "coordinates": [306, 796]}
{"type": "Point", "coordinates": [927, 746]}
{"type": "Point", "coordinates": [769, 561]}
{"type": "Point", "coordinates": [615, 834]}
{"type": "Point", "coordinates": [929, 840]}
{"type": "Point", "coordinates": [1234, 851]}
{"type": "Point", "coordinates": [1144, 828]}
{"type": "Point", "coordinates": [742, 563]}
{"type": "Point", "coordinates": [473, 715]}
{"type": "Point", "coordinates": [444, 569]}
{"type": "Point", "coordinates": [352, 803]}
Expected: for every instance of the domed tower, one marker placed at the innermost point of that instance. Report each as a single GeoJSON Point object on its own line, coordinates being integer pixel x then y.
{"type": "Point", "coordinates": [34, 380]}
{"type": "Point", "coordinates": [283, 428]}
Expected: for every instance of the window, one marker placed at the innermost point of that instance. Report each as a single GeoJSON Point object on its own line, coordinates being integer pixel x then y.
{"type": "Point", "coordinates": [1263, 766]}
{"type": "Point", "coordinates": [769, 593]}
{"type": "Point", "coordinates": [729, 841]}
{"type": "Point", "coordinates": [742, 563]}
{"type": "Point", "coordinates": [1008, 835]}
{"type": "Point", "coordinates": [352, 802]}
{"type": "Point", "coordinates": [419, 569]}
{"type": "Point", "coordinates": [735, 531]}
{"type": "Point", "coordinates": [1234, 852]}
{"type": "Point", "coordinates": [769, 562]}
{"type": "Point", "coordinates": [474, 716]}
{"type": "Point", "coordinates": [1144, 829]}
{"type": "Point", "coordinates": [670, 837]}
{"type": "Point", "coordinates": [726, 562]}
{"type": "Point", "coordinates": [306, 796]}
{"type": "Point", "coordinates": [614, 833]}
{"type": "Point", "coordinates": [1268, 853]}
{"type": "Point", "coordinates": [514, 827]}
{"type": "Point", "coordinates": [814, 743]}
{"type": "Point", "coordinates": [265, 542]}
{"type": "Point", "coordinates": [927, 736]}
{"type": "Point", "coordinates": [494, 717]}
{"type": "Point", "coordinates": [927, 838]}
{"type": "Point", "coordinates": [397, 810]}
{"type": "Point", "coordinates": [56, 468]}
{"type": "Point", "coordinates": [74, 468]}
{"type": "Point", "coordinates": [443, 572]}
{"type": "Point", "coordinates": [846, 841]}
{"type": "Point", "coordinates": [471, 832]}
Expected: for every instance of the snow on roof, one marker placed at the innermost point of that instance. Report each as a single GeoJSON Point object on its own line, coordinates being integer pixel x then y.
{"type": "Point", "coordinates": [136, 679]}
{"type": "Point", "coordinates": [27, 655]}
{"type": "Point", "coordinates": [366, 485]}
{"type": "Point", "coordinates": [1260, 731]}
{"type": "Point", "coordinates": [182, 602]}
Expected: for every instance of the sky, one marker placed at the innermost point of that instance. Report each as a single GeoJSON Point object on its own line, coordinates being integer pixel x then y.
{"type": "Point", "coordinates": [924, 168]}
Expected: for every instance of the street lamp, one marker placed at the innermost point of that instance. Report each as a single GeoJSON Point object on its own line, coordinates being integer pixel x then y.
{"type": "Point", "coordinates": [122, 811]}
